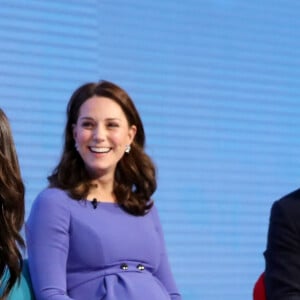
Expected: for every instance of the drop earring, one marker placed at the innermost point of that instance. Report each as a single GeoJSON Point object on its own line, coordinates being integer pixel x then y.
{"type": "Point", "coordinates": [127, 149]}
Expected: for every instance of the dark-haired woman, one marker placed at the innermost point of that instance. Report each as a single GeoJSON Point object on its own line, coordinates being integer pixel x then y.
{"type": "Point", "coordinates": [14, 282]}
{"type": "Point", "coordinates": [94, 233]}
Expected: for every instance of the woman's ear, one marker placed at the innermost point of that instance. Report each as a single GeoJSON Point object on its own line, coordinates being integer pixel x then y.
{"type": "Point", "coordinates": [132, 133]}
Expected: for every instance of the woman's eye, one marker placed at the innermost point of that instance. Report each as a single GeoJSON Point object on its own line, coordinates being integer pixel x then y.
{"type": "Point", "coordinates": [113, 124]}
{"type": "Point", "coordinates": [87, 124]}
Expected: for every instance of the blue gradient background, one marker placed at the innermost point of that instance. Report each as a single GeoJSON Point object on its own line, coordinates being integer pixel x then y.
{"type": "Point", "coordinates": [217, 84]}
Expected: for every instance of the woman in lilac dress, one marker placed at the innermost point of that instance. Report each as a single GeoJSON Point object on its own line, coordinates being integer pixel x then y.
{"type": "Point", "coordinates": [94, 233]}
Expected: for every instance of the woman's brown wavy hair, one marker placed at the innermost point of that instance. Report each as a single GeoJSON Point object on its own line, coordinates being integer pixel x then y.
{"type": "Point", "coordinates": [135, 179]}
{"type": "Point", "coordinates": [12, 208]}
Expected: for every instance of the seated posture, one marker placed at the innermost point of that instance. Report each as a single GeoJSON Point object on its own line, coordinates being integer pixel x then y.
{"type": "Point", "coordinates": [94, 232]}
{"type": "Point", "coordinates": [14, 278]}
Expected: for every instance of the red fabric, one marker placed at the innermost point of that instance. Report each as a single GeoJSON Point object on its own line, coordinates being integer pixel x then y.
{"type": "Point", "coordinates": [259, 291]}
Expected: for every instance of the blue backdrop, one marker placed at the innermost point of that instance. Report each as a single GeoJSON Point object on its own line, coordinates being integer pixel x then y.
{"type": "Point", "coordinates": [217, 84]}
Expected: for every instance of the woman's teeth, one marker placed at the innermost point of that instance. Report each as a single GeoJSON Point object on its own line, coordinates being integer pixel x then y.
{"type": "Point", "coordinates": [100, 149]}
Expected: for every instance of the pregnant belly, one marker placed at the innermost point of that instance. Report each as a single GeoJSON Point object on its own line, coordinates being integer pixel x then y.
{"type": "Point", "coordinates": [122, 286]}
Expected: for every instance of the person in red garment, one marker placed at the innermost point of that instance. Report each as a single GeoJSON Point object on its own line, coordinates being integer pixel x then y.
{"type": "Point", "coordinates": [259, 290]}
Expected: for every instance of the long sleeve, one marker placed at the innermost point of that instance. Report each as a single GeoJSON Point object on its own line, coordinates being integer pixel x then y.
{"type": "Point", "coordinates": [282, 275]}
{"type": "Point", "coordinates": [164, 273]}
{"type": "Point", "coordinates": [47, 234]}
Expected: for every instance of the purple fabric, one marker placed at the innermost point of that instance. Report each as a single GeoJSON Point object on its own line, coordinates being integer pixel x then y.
{"type": "Point", "coordinates": [77, 252]}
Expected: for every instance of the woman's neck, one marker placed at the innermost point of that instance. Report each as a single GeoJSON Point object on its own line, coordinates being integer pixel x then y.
{"type": "Point", "coordinates": [102, 190]}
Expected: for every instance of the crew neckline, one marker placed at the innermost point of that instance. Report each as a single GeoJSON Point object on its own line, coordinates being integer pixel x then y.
{"type": "Point", "coordinates": [102, 202]}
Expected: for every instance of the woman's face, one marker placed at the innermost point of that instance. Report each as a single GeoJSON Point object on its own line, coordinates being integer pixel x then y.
{"type": "Point", "coordinates": [101, 135]}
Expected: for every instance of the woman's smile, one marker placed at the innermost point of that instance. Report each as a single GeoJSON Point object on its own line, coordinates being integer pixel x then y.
{"type": "Point", "coordinates": [100, 149]}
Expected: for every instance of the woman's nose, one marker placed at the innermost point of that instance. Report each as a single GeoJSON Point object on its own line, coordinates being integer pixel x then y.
{"type": "Point", "coordinates": [99, 133]}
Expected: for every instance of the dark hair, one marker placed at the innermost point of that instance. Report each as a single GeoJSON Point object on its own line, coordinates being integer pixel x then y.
{"type": "Point", "coordinates": [135, 179]}
{"type": "Point", "coordinates": [12, 207]}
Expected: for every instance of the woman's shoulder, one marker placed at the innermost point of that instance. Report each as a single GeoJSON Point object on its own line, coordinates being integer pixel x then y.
{"type": "Point", "coordinates": [153, 212]}
{"type": "Point", "coordinates": [51, 200]}
{"type": "Point", "coordinates": [51, 207]}
{"type": "Point", "coordinates": [52, 196]}
{"type": "Point", "coordinates": [22, 290]}
{"type": "Point", "coordinates": [53, 192]}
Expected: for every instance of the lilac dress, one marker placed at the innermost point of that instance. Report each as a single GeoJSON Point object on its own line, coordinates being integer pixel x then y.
{"type": "Point", "coordinates": [78, 252]}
